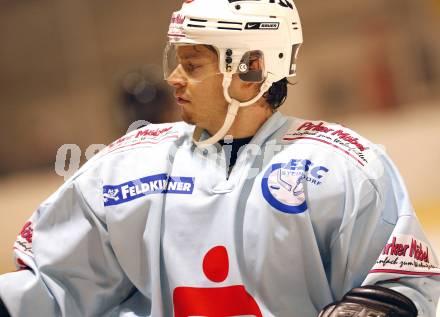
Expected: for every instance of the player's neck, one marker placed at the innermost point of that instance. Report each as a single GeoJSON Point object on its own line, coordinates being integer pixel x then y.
{"type": "Point", "coordinates": [247, 122]}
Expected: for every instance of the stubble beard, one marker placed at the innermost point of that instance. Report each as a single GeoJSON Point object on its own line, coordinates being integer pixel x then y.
{"type": "Point", "coordinates": [187, 117]}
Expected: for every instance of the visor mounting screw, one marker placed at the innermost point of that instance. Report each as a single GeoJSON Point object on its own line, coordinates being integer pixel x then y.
{"type": "Point", "coordinates": [238, 7]}
{"type": "Point", "coordinates": [281, 55]}
{"type": "Point", "coordinates": [243, 68]}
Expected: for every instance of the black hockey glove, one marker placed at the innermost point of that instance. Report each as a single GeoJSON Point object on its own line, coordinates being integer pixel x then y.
{"type": "Point", "coordinates": [371, 301]}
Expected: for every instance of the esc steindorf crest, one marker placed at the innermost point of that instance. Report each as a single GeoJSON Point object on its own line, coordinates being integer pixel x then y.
{"type": "Point", "coordinates": [283, 184]}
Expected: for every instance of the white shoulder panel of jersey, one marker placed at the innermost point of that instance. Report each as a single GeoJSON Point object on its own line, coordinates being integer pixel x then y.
{"type": "Point", "coordinates": [345, 142]}
{"type": "Point", "coordinates": [149, 136]}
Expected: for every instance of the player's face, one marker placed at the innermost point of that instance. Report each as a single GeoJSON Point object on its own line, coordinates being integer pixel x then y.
{"type": "Point", "coordinates": [198, 86]}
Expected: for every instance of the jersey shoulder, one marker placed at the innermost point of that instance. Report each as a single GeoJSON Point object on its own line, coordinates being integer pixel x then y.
{"type": "Point", "coordinates": [153, 141]}
{"type": "Point", "coordinates": [334, 142]}
{"type": "Point", "coordinates": [150, 136]}
{"type": "Point", "coordinates": [125, 158]}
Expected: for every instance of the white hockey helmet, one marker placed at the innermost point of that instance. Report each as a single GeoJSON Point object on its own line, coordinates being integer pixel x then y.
{"type": "Point", "coordinates": [240, 29]}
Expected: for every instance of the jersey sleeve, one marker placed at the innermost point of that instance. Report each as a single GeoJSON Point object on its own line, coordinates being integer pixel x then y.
{"type": "Point", "coordinates": [380, 241]}
{"type": "Point", "coordinates": [66, 266]}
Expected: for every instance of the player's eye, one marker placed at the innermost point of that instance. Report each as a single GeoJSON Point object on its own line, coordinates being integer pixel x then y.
{"type": "Point", "coordinates": [190, 67]}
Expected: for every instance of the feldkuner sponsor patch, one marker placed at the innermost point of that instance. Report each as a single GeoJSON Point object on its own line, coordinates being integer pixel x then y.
{"type": "Point", "coordinates": [155, 184]}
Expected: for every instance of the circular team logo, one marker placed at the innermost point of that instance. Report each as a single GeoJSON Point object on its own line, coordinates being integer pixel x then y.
{"type": "Point", "coordinates": [283, 189]}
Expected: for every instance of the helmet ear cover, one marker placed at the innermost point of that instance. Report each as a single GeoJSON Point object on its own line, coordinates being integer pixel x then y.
{"type": "Point", "coordinates": [251, 67]}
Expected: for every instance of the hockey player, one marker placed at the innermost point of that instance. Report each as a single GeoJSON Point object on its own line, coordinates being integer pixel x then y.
{"type": "Point", "coordinates": [307, 219]}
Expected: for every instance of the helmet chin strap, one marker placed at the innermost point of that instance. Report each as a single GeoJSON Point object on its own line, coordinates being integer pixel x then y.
{"type": "Point", "coordinates": [234, 106]}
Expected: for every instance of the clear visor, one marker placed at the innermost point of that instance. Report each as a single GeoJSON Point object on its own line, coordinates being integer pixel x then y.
{"type": "Point", "coordinates": [196, 63]}
{"type": "Point", "coordinates": [190, 62]}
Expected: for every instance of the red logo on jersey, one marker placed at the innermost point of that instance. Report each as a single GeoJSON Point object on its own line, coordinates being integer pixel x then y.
{"type": "Point", "coordinates": [188, 1]}
{"type": "Point", "coordinates": [216, 301]}
{"type": "Point", "coordinates": [27, 232]}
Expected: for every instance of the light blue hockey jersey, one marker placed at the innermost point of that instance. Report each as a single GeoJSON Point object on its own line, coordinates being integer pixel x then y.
{"type": "Point", "coordinates": [154, 226]}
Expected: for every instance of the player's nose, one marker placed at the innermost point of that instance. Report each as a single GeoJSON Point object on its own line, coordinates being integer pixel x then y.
{"type": "Point", "coordinates": [177, 78]}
